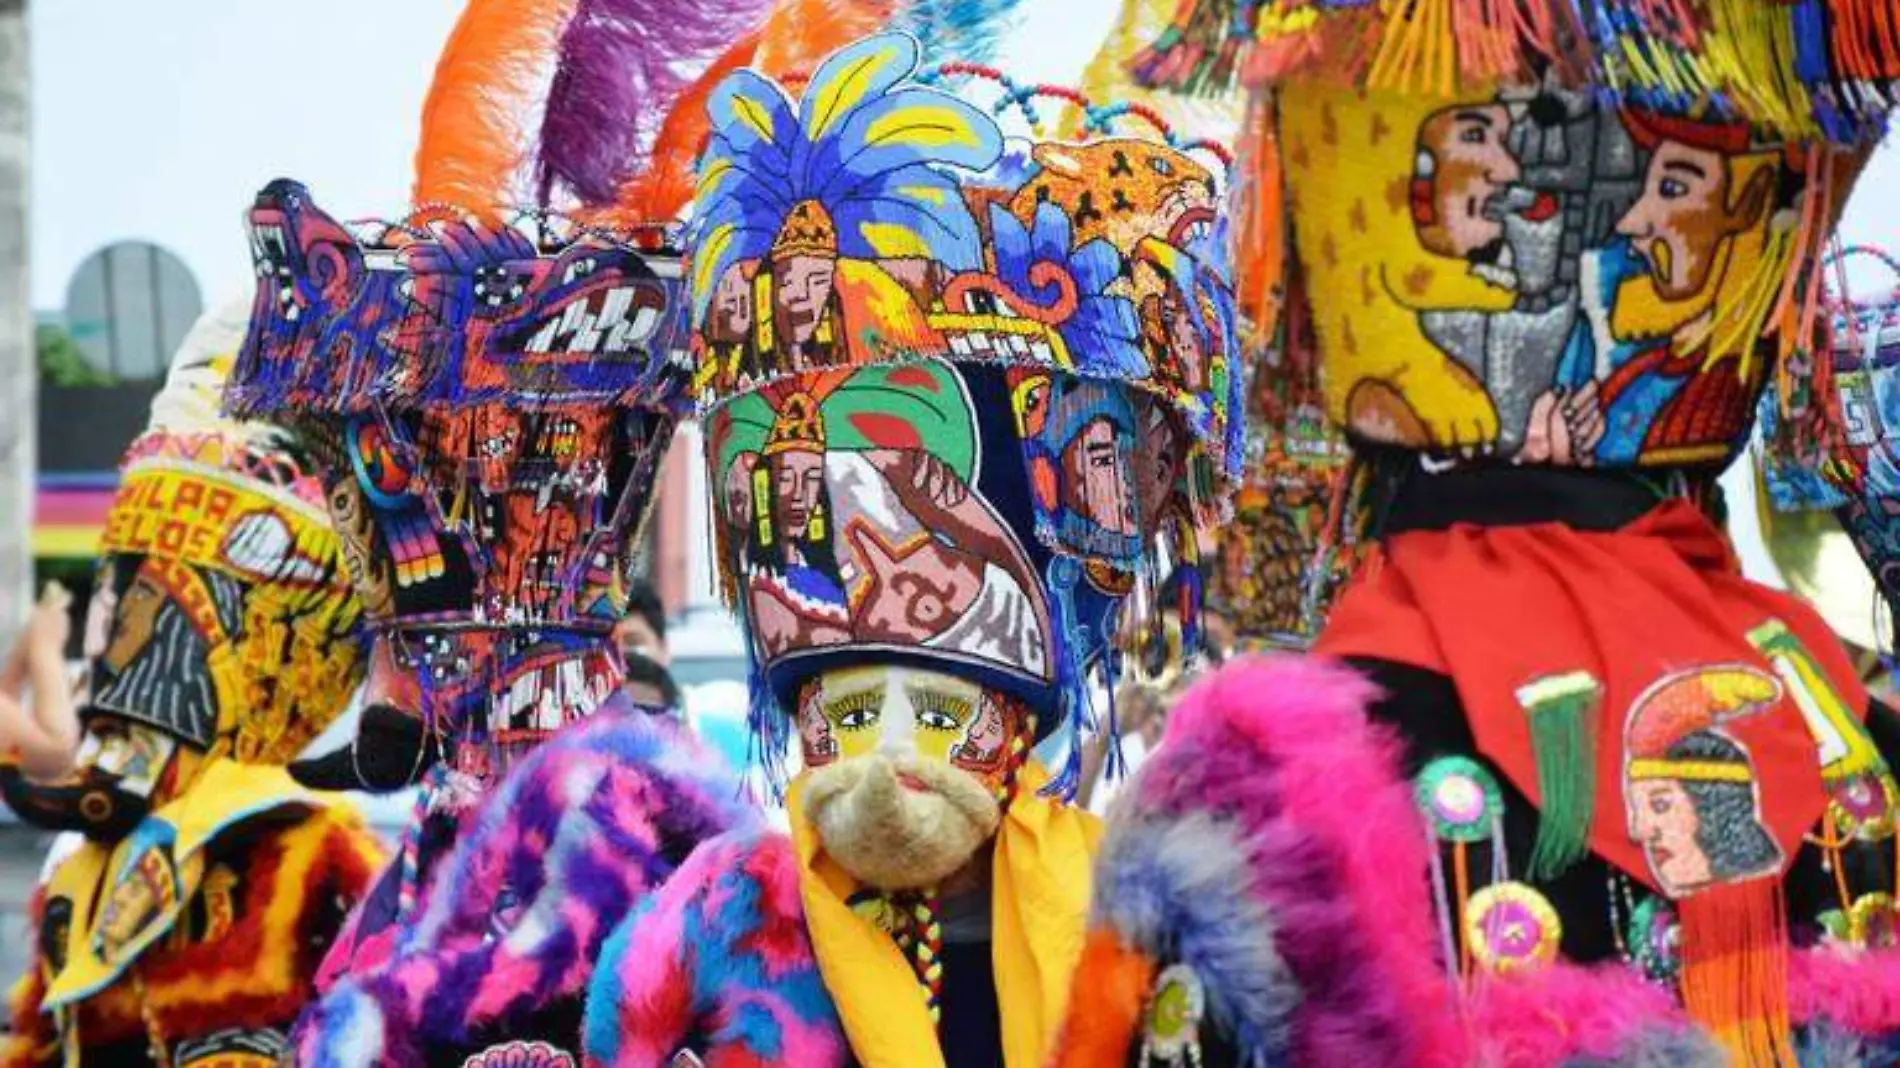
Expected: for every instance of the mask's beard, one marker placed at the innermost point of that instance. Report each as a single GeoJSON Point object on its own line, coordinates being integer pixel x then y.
{"type": "Point", "coordinates": [92, 802]}
{"type": "Point", "coordinates": [895, 836]}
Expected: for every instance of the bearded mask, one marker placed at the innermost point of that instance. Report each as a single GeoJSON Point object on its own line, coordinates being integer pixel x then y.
{"type": "Point", "coordinates": [907, 771]}
{"type": "Point", "coordinates": [856, 334]}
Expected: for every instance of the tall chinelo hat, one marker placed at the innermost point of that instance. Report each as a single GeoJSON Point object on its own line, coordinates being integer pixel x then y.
{"type": "Point", "coordinates": [494, 377]}
{"type": "Point", "coordinates": [1557, 235]}
{"type": "Point", "coordinates": [491, 405]}
{"type": "Point", "coordinates": [1574, 235]}
{"type": "Point", "coordinates": [995, 417]}
{"type": "Point", "coordinates": [224, 615]}
{"type": "Point", "coordinates": [492, 380]}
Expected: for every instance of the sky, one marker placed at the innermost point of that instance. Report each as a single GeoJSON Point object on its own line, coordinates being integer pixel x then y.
{"type": "Point", "coordinates": [160, 121]}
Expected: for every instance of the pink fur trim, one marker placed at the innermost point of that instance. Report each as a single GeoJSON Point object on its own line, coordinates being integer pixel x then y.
{"type": "Point", "coordinates": [1858, 991]}
{"type": "Point", "coordinates": [1339, 782]}
{"type": "Point", "coordinates": [1550, 1015]}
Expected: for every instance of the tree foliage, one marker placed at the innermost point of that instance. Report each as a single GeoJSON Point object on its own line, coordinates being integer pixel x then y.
{"type": "Point", "coordinates": [61, 362]}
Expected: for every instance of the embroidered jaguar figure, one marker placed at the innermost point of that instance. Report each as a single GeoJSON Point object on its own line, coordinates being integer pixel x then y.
{"type": "Point", "coordinates": [1123, 189]}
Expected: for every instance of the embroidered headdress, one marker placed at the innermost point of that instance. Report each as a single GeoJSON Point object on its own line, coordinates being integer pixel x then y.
{"type": "Point", "coordinates": [227, 615]}
{"type": "Point", "coordinates": [1542, 233]}
{"type": "Point", "coordinates": [1631, 197]}
{"type": "Point", "coordinates": [966, 397]}
{"type": "Point", "coordinates": [493, 387]}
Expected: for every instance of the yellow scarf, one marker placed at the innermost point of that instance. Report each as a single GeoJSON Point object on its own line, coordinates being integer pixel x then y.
{"type": "Point", "coordinates": [129, 893]}
{"type": "Point", "coordinates": [1040, 897]}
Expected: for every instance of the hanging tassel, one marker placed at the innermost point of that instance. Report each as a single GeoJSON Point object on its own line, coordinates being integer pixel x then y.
{"type": "Point", "coordinates": [919, 934]}
{"type": "Point", "coordinates": [1182, 57]}
{"type": "Point", "coordinates": [1867, 40]}
{"type": "Point", "coordinates": [1734, 978]}
{"type": "Point", "coordinates": [1259, 203]}
{"type": "Point", "coordinates": [1416, 49]}
{"type": "Point", "coordinates": [1072, 691]}
{"type": "Point", "coordinates": [766, 725]}
{"type": "Point", "coordinates": [1563, 712]}
{"type": "Point", "coordinates": [1487, 36]}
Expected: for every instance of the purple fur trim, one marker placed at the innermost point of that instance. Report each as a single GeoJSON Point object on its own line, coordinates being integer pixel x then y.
{"type": "Point", "coordinates": [622, 64]}
{"type": "Point", "coordinates": [1164, 883]}
{"type": "Point", "coordinates": [573, 839]}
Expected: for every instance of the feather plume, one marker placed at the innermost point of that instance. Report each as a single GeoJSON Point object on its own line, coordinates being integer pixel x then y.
{"type": "Point", "coordinates": [970, 31]}
{"type": "Point", "coordinates": [663, 188]}
{"type": "Point", "coordinates": [473, 128]}
{"type": "Point", "coordinates": [623, 65]}
{"type": "Point", "coordinates": [801, 33]}
{"type": "Point", "coordinates": [796, 36]}
{"type": "Point", "coordinates": [1107, 79]}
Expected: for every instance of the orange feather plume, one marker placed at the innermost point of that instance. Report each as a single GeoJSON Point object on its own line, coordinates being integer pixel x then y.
{"type": "Point", "coordinates": [659, 192]}
{"type": "Point", "coordinates": [801, 33]}
{"type": "Point", "coordinates": [473, 138]}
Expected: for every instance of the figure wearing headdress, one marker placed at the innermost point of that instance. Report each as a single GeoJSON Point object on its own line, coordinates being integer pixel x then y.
{"type": "Point", "coordinates": [223, 637]}
{"type": "Point", "coordinates": [498, 377]}
{"type": "Point", "coordinates": [931, 546]}
{"type": "Point", "coordinates": [1609, 802]}
{"type": "Point", "coordinates": [494, 382]}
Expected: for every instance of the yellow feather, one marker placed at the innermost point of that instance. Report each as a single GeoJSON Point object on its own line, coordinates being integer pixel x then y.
{"type": "Point", "coordinates": [755, 115]}
{"type": "Point", "coordinates": [926, 125]}
{"type": "Point", "coordinates": [707, 254]}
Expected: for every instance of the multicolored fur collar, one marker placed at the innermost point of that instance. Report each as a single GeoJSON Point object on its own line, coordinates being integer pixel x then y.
{"type": "Point", "coordinates": [235, 961]}
{"type": "Point", "coordinates": [720, 955]}
{"type": "Point", "coordinates": [506, 937]}
{"type": "Point", "coordinates": [1274, 781]}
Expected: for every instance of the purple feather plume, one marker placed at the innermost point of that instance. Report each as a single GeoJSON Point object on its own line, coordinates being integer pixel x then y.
{"type": "Point", "coordinates": [622, 65]}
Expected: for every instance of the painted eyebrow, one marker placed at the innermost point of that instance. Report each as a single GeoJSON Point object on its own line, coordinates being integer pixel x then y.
{"type": "Point", "coordinates": [924, 691]}
{"type": "Point", "coordinates": [1474, 116]}
{"type": "Point", "coordinates": [832, 702]}
{"type": "Point", "coordinates": [1686, 167]}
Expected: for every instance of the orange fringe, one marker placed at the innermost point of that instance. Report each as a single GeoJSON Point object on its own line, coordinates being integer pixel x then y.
{"type": "Point", "coordinates": [472, 141]}
{"type": "Point", "coordinates": [1866, 38]}
{"type": "Point", "coordinates": [1260, 236]}
{"type": "Point", "coordinates": [1735, 970]}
